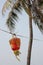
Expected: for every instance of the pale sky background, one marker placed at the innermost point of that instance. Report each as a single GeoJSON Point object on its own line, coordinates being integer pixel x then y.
{"type": "Point", "coordinates": [22, 28]}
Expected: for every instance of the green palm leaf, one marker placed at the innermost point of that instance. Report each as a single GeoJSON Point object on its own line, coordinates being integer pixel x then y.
{"type": "Point", "coordinates": [13, 16]}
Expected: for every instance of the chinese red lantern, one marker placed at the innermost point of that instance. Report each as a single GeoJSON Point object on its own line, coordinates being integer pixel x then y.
{"type": "Point", "coordinates": [15, 45]}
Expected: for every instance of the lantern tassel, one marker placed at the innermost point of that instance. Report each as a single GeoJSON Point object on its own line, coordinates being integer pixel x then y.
{"type": "Point", "coordinates": [17, 58]}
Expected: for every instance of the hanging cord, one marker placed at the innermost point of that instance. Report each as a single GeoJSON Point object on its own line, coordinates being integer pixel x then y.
{"type": "Point", "coordinates": [19, 35]}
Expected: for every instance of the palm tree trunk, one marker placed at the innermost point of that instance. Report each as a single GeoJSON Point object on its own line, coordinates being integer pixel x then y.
{"type": "Point", "coordinates": [30, 41]}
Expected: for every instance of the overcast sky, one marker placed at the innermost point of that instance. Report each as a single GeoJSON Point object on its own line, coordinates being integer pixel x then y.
{"type": "Point", "coordinates": [22, 28]}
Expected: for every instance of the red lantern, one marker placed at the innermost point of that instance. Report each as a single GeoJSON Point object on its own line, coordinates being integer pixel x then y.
{"type": "Point", "coordinates": [15, 43]}
{"type": "Point", "coordinates": [15, 46]}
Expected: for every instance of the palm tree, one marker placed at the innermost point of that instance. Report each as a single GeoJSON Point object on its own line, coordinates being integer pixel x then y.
{"type": "Point", "coordinates": [33, 8]}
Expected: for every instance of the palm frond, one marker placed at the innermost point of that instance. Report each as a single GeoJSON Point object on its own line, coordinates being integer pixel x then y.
{"type": "Point", "coordinates": [10, 23]}
{"type": "Point", "coordinates": [38, 16]}
{"type": "Point", "coordinates": [17, 7]}
{"type": "Point", "coordinates": [39, 23]}
{"type": "Point", "coordinates": [40, 2]}
{"type": "Point", "coordinates": [26, 7]}
{"type": "Point", "coordinates": [8, 4]}
{"type": "Point", "coordinates": [13, 16]}
{"type": "Point", "coordinates": [38, 19]}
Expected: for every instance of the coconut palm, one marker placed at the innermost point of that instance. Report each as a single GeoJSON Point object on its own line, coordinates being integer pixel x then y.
{"type": "Point", "coordinates": [33, 8]}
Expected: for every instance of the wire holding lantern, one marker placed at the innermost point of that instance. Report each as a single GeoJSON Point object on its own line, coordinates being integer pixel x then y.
{"type": "Point", "coordinates": [19, 35]}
